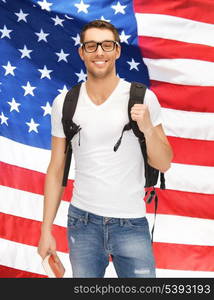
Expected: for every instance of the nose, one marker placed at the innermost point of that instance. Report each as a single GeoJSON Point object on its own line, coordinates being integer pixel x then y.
{"type": "Point", "coordinates": [99, 50]}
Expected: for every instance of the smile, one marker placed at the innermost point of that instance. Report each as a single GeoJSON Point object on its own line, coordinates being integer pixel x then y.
{"type": "Point", "coordinates": [100, 62]}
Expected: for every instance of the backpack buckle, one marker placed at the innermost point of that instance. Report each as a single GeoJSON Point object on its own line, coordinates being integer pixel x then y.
{"type": "Point", "coordinates": [151, 195]}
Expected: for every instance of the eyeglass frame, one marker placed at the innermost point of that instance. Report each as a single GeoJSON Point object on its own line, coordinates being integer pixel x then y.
{"type": "Point", "coordinates": [116, 43]}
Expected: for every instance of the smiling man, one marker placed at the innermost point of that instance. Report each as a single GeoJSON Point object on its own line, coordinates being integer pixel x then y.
{"type": "Point", "coordinates": [106, 216]}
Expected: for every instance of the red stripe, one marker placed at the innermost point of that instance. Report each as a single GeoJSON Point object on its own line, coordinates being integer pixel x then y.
{"type": "Point", "coordinates": [26, 231]}
{"type": "Point", "coordinates": [196, 205]}
{"type": "Point", "coordinates": [7, 272]}
{"type": "Point", "coordinates": [184, 151]}
{"type": "Point", "coordinates": [28, 180]}
{"type": "Point", "coordinates": [198, 10]}
{"type": "Point", "coordinates": [184, 257]}
{"type": "Point", "coordinates": [158, 48]}
{"type": "Point", "coordinates": [182, 97]}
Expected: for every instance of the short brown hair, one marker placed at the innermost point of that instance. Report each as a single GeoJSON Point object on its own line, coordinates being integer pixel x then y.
{"type": "Point", "coordinates": [101, 25]}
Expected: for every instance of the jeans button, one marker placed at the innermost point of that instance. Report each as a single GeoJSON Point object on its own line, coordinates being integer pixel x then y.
{"type": "Point", "coordinates": [106, 219]}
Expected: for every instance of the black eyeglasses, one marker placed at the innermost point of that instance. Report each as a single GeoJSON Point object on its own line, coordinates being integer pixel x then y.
{"type": "Point", "coordinates": [92, 46]}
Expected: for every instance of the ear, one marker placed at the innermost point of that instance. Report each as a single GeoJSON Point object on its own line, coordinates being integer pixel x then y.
{"type": "Point", "coordinates": [118, 52]}
{"type": "Point", "coordinates": [80, 50]}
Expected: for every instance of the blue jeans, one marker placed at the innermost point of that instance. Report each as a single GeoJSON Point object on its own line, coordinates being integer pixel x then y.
{"type": "Point", "coordinates": [93, 239]}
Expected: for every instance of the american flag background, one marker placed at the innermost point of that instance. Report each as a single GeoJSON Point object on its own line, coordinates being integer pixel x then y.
{"type": "Point", "coordinates": [169, 46]}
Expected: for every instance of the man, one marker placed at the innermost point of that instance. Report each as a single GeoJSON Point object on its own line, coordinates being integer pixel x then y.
{"type": "Point", "coordinates": [106, 216]}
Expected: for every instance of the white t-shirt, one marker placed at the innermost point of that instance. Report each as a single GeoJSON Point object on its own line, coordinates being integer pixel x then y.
{"type": "Point", "coordinates": [107, 183]}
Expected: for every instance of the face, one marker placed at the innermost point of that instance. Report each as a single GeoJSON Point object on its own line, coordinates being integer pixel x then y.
{"type": "Point", "coordinates": [99, 64]}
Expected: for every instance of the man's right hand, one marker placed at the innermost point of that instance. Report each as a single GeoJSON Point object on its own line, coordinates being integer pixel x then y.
{"type": "Point", "coordinates": [47, 244]}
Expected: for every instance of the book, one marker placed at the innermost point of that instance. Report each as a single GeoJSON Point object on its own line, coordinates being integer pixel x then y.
{"type": "Point", "coordinates": [54, 269]}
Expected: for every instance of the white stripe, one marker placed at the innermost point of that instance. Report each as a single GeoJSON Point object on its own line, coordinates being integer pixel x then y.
{"type": "Point", "coordinates": [175, 28]}
{"type": "Point", "coordinates": [25, 156]}
{"type": "Point", "coordinates": [190, 178]}
{"type": "Point", "coordinates": [28, 205]}
{"type": "Point", "coordinates": [25, 257]}
{"type": "Point", "coordinates": [182, 230]}
{"type": "Point", "coordinates": [188, 230]}
{"type": "Point", "coordinates": [181, 71]}
{"type": "Point", "coordinates": [188, 124]}
{"type": "Point", "coordinates": [183, 274]}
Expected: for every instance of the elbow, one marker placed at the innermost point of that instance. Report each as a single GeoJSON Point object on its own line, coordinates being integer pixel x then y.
{"type": "Point", "coordinates": [164, 168]}
{"type": "Point", "coordinates": [161, 167]}
{"type": "Point", "coordinates": [167, 164]}
{"type": "Point", "coordinates": [163, 164]}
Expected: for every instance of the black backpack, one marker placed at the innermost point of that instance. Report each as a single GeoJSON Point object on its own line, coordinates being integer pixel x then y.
{"type": "Point", "coordinates": [137, 92]}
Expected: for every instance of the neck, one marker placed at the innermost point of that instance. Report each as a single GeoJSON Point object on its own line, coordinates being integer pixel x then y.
{"type": "Point", "coordinates": [99, 89]}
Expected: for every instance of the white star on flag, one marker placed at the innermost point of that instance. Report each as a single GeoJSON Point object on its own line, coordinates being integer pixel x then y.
{"type": "Point", "coordinates": [82, 7]}
{"type": "Point", "coordinates": [25, 52]}
{"type": "Point", "coordinates": [21, 16]}
{"type": "Point", "coordinates": [45, 5]}
{"type": "Point", "coordinates": [32, 125]}
{"type": "Point", "coordinates": [64, 90]}
{"type": "Point", "coordinates": [42, 36]}
{"type": "Point", "coordinates": [14, 105]}
{"type": "Point", "coordinates": [119, 8]}
{"type": "Point", "coordinates": [62, 55]}
{"type": "Point", "coordinates": [5, 32]}
{"type": "Point", "coordinates": [124, 38]}
{"type": "Point", "coordinates": [103, 19]}
{"type": "Point", "coordinates": [47, 109]}
{"type": "Point", "coordinates": [133, 64]}
{"type": "Point", "coordinates": [28, 89]}
{"type": "Point", "coordinates": [76, 39]}
{"type": "Point", "coordinates": [81, 76]}
{"type": "Point", "coordinates": [58, 21]}
{"type": "Point", "coordinates": [3, 119]}
{"type": "Point", "coordinates": [68, 17]}
{"type": "Point", "coordinates": [45, 72]}
{"type": "Point", "coordinates": [9, 69]}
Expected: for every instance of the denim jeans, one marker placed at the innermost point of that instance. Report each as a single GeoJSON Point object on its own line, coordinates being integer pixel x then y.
{"type": "Point", "coordinates": [93, 239]}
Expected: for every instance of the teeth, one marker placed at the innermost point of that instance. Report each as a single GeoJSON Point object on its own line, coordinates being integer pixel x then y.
{"type": "Point", "coordinates": [99, 62]}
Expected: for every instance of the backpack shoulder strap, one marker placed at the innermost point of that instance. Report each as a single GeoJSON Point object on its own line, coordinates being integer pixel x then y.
{"type": "Point", "coordinates": [69, 108]}
{"type": "Point", "coordinates": [69, 127]}
{"type": "Point", "coordinates": [136, 95]}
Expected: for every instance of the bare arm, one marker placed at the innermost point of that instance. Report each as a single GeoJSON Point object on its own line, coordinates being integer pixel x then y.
{"type": "Point", "coordinates": [158, 148]}
{"type": "Point", "coordinates": [52, 195]}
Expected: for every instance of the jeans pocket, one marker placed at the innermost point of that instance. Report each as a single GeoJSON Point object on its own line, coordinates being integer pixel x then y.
{"type": "Point", "coordinates": [137, 222]}
{"type": "Point", "coordinates": [72, 221]}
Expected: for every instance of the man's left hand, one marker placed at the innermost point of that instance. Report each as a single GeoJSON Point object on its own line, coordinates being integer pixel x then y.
{"type": "Point", "coordinates": [140, 114]}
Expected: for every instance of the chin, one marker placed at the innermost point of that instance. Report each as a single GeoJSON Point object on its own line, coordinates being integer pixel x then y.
{"type": "Point", "coordinates": [99, 75]}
